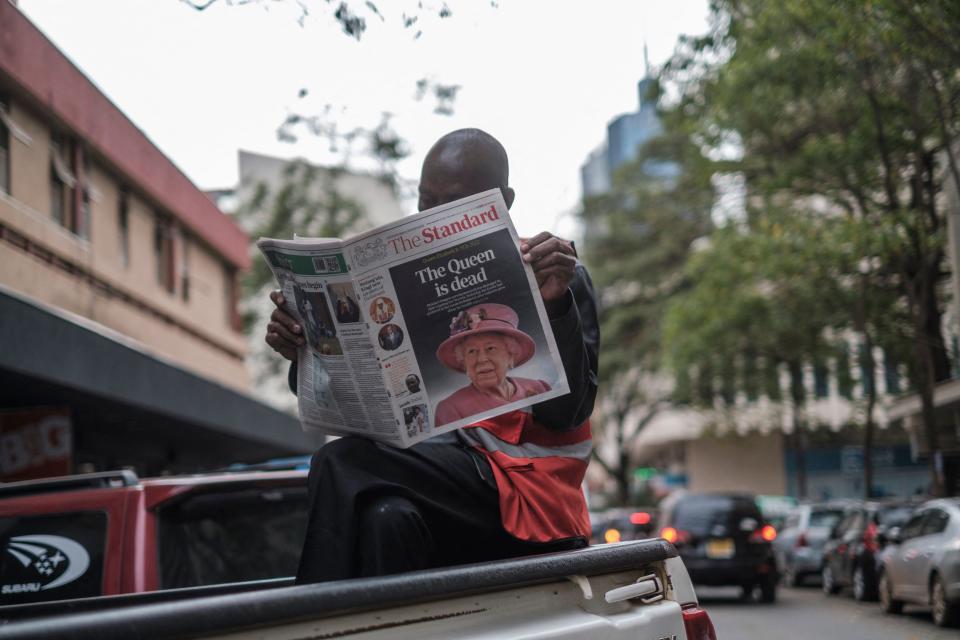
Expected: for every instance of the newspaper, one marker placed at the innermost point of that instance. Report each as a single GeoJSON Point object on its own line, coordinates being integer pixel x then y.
{"type": "Point", "coordinates": [418, 327]}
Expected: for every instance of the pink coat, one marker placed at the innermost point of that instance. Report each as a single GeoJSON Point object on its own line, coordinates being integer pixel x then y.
{"type": "Point", "coordinates": [468, 401]}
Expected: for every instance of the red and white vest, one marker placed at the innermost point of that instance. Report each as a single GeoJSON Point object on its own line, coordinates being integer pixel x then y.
{"type": "Point", "coordinates": [539, 473]}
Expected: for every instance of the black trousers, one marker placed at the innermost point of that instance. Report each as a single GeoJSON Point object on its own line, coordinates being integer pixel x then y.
{"type": "Point", "coordinates": [376, 510]}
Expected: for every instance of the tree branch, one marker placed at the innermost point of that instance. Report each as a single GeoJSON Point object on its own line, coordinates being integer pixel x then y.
{"type": "Point", "coordinates": [603, 463]}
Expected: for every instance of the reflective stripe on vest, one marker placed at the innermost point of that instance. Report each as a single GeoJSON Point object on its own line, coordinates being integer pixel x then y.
{"type": "Point", "coordinates": [482, 437]}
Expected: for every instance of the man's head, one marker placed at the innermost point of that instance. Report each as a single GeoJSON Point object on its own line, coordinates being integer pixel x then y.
{"type": "Point", "coordinates": [462, 163]}
{"type": "Point", "coordinates": [413, 383]}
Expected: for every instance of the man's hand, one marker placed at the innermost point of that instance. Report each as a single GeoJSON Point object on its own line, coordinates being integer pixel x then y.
{"type": "Point", "coordinates": [553, 260]}
{"type": "Point", "coordinates": [284, 333]}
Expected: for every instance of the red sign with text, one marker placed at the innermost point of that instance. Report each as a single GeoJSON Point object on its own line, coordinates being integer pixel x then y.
{"type": "Point", "coordinates": [35, 443]}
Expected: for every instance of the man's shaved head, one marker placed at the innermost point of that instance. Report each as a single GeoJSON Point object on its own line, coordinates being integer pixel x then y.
{"type": "Point", "coordinates": [462, 163]}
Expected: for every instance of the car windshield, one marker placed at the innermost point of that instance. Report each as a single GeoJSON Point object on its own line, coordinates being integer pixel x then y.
{"type": "Point", "coordinates": [699, 514]}
{"type": "Point", "coordinates": [825, 519]}
{"type": "Point", "coordinates": [894, 516]}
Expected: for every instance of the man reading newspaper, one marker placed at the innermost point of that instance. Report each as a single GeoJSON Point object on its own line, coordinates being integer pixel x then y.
{"type": "Point", "coordinates": [505, 486]}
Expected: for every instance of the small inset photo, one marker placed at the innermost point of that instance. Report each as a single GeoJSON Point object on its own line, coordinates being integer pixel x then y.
{"type": "Point", "coordinates": [320, 330]}
{"type": "Point", "coordinates": [390, 337]}
{"type": "Point", "coordinates": [382, 310]}
{"type": "Point", "coordinates": [415, 420]}
{"type": "Point", "coordinates": [344, 302]}
{"type": "Point", "coordinates": [412, 382]}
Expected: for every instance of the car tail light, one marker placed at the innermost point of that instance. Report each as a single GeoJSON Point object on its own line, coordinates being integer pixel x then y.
{"type": "Point", "coordinates": [611, 535]}
{"type": "Point", "coordinates": [640, 517]}
{"type": "Point", "coordinates": [801, 541]}
{"type": "Point", "coordinates": [870, 538]}
{"type": "Point", "coordinates": [697, 624]}
{"type": "Point", "coordinates": [675, 536]}
{"type": "Point", "coordinates": [766, 533]}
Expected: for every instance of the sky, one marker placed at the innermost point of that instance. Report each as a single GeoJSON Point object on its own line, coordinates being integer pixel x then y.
{"type": "Point", "coordinates": [543, 77]}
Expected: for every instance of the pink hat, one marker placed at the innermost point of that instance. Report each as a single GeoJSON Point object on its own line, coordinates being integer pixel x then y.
{"type": "Point", "coordinates": [484, 318]}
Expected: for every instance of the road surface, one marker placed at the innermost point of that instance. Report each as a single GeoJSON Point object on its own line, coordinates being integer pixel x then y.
{"type": "Point", "coordinates": [806, 613]}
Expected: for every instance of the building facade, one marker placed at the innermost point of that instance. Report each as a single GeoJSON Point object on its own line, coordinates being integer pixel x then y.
{"type": "Point", "coordinates": [97, 221]}
{"type": "Point", "coordinates": [103, 238]}
{"type": "Point", "coordinates": [626, 134]}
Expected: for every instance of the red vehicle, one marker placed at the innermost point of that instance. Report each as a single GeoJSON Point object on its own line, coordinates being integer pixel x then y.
{"type": "Point", "coordinates": [112, 556]}
{"type": "Point", "coordinates": [113, 533]}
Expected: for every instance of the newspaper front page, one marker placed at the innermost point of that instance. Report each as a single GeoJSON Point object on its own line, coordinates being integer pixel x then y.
{"type": "Point", "coordinates": [419, 327]}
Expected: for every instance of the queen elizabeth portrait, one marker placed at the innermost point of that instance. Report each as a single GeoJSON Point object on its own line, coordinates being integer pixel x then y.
{"type": "Point", "coordinates": [485, 344]}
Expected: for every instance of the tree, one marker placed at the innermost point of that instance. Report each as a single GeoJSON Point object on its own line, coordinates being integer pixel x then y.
{"type": "Point", "coordinates": [307, 203]}
{"type": "Point", "coordinates": [352, 16]}
{"type": "Point", "coordinates": [637, 239]}
{"type": "Point", "coordinates": [764, 295]}
{"type": "Point", "coordinates": [842, 101]}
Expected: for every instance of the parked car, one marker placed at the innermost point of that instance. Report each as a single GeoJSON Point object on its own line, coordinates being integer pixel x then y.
{"type": "Point", "coordinates": [851, 556]}
{"type": "Point", "coordinates": [113, 533]}
{"type": "Point", "coordinates": [723, 540]}
{"type": "Point", "coordinates": [619, 524]}
{"type": "Point", "coordinates": [799, 544]}
{"type": "Point", "coordinates": [922, 565]}
{"type": "Point", "coordinates": [775, 509]}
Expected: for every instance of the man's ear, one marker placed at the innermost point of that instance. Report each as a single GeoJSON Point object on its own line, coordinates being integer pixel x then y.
{"type": "Point", "coordinates": [508, 196]}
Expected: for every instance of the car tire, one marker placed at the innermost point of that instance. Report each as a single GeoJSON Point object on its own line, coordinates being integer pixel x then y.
{"type": "Point", "coordinates": [945, 614]}
{"type": "Point", "coordinates": [746, 592]}
{"type": "Point", "coordinates": [830, 586]}
{"type": "Point", "coordinates": [768, 589]}
{"type": "Point", "coordinates": [863, 589]}
{"type": "Point", "coordinates": [887, 602]}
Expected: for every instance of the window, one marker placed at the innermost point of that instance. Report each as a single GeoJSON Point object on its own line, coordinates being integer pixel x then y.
{"type": "Point", "coordinates": [935, 522]}
{"type": "Point", "coordinates": [894, 516]}
{"type": "Point", "coordinates": [83, 220]}
{"type": "Point", "coordinates": [81, 224]}
{"type": "Point", "coordinates": [891, 376]}
{"type": "Point", "coordinates": [4, 151]}
{"type": "Point", "coordinates": [62, 182]}
{"type": "Point", "coordinates": [825, 519]}
{"type": "Point", "coordinates": [844, 377]}
{"type": "Point", "coordinates": [845, 525]}
{"type": "Point", "coordinates": [856, 524]}
{"type": "Point", "coordinates": [163, 252]}
{"type": "Point", "coordinates": [821, 380]}
{"type": "Point", "coordinates": [207, 538]}
{"type": "Point", "coordinates": [230, 297]}
{"type": "Point", "coordinates": [913, 526]}
{"type": "Point", "coordinates": [185, 268]}
{"type": "Point", "coordinates": [123, 227]}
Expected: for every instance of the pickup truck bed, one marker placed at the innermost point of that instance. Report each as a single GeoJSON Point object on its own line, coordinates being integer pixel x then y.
{"type": "Point", "coordinates": [531, 597]}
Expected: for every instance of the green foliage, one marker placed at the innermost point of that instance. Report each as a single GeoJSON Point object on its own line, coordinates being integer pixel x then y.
{"type": "Point", "coordinates": [306, 203]}
{"type": "Point", "coordinates": [846, 109]}
{"type": "Point", "coordinates": [763, 293]}
{"type": "Point", "coordinates": [637, 239]}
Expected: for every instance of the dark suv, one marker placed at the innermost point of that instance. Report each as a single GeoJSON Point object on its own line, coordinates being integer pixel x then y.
{"type": "Point", "coordinates": [723, 540]}
{"type": "Point", "coordinates": [851, 556]}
